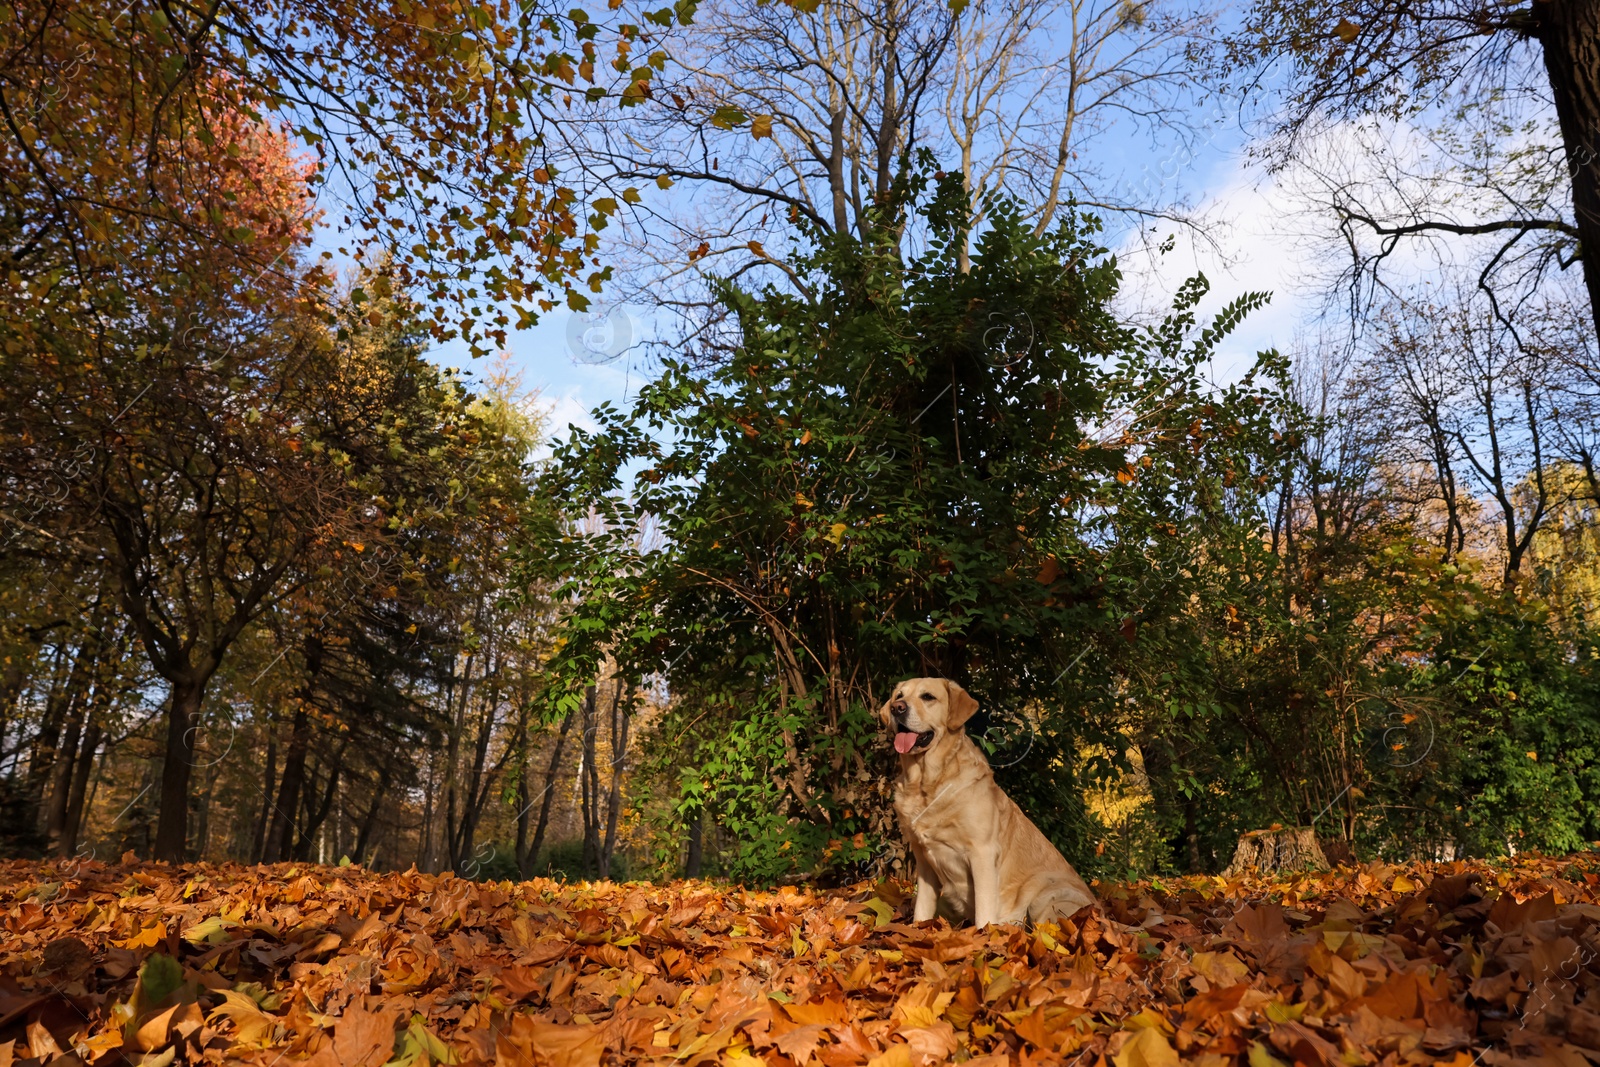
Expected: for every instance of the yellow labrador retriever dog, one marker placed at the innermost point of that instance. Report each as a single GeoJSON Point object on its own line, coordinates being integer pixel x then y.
{"type": "Point", "coordinates": [978, 856]}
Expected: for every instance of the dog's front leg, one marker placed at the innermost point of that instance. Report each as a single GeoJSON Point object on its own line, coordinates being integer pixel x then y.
{"type": "Point", "coordinates": [985, 885]}
{"type": "Point", "coordinates": [927, 893]}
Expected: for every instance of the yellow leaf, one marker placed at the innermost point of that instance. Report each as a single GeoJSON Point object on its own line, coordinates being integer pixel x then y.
{"type": "Point", "coordinates": [923, 1005]}
{"type": "Point", "coordinates": [253, 1026]}
{"type": "Point", "coordinates": [1346, 30]}
{"type": "Point", "coordinates": [1149, 1019]}
{"type": "Point", "coordinates": [882, 910]}
{"type": "Point", "coordinates": [212, 930]}
{"type": "Point", "coordinates": [761, 126]}
{"type": "Point", "coordinates": [1221, 969]}
{"type": "Point", "coordinates": [1147, 1048]}
{"type": "Point", "coordinates": [100, 1044]}
{"type": "Point", "coordinates": [149, 937]}
{"type": "Point", "coordinates": [1260, 1057]}
{"type": "Point", "coordinates": [1402, 884]}
{"type": "Point", "coordinates": [836, 532]}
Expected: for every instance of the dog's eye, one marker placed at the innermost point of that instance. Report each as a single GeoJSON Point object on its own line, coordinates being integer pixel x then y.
{"type": "Point", "coordinates": [927, 696]}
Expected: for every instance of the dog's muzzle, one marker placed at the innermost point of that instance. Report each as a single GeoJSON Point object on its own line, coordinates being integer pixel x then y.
{"type": "Point", "coordinates": [907, 740]}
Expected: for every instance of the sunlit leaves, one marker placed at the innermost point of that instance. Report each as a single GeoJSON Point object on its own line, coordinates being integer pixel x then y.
{"type": "Point", "coordinates": [1336, 967]}
{"type": "Point", "coordinates": [412, 110]}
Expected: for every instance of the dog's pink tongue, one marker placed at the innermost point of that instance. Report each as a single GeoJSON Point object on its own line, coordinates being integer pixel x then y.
{"type": "Point", "coordinates": [904, 742]}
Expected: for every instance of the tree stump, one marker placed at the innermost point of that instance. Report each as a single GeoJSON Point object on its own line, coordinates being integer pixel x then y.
{"type": "Point", "coordinates": [1277, 848]}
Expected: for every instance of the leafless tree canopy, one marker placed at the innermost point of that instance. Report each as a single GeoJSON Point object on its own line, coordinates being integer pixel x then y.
{"type": "Point", "coordinates": [773, 114]}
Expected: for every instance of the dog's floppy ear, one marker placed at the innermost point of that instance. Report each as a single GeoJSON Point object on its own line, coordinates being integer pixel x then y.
{"type": "Point", "coordinates": [960, 705]}
{"type": "Point", "coordinates": [885, 715]}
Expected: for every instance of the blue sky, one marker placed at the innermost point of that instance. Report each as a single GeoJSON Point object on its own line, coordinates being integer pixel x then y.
{"type": "Point", "coordinates": [575, 362]}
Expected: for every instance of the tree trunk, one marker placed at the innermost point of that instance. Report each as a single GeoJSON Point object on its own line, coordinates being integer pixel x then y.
{"type": "Point", "coordinates": [61, 774]}
{"type": "Point", "coordinates": [621, 710]}
{"type": "Point", "coordinates": [42, 752]}
{"type": "Point", "coordinates": [73, 824]}
{"type": "Point", "coordinates": [692, 863]}
{"type": "Point", "coordinates": [452, 760]}
{"type": "Point", "coordinates": [172, 823]}
{"type": "Point", "coordinates": [281, 835]}
{"type": "Point", "coordinates": [590, 787]}
{"type": "Point", "coordinates": [477, 791]}
{"type": "Point", "coordinates": [315, 817]}
{"type": "Point", "coordinates": [1569, 30]}
{"type": "Point", "coordinates": [259, 843]}
{"type": "Point", "coordinates": [1191, 835]}
{"type": "Point", "coordinates": [1278, 848]}
{"type": "Point", "coordinates": [370, 821]}
{"type": "Point", "coordinates": [425, 834]}
{"type": "Point", "coordinates": [202, 814]}
{"type": "Point", "coordinates": [526, 859]}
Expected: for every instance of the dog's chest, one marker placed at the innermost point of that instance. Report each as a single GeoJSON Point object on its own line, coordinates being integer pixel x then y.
{"type": "Point", "coordinates": [948, 857]}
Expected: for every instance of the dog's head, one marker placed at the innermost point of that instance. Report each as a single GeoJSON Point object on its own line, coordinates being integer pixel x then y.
{"type": "Point", "coordinates": [921, 710]}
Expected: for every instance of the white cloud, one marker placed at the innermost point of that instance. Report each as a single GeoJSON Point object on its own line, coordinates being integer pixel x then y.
{"type": "Point", "coordinates": [565, 411]}
{"type": "Point", "coordinates": [1258, 242]}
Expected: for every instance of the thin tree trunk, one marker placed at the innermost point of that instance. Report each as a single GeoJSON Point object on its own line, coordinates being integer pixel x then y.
{"type": "Point", "coordinates": [477, 788]}
{"type": "Point", "coordinates": [281, 834]}
{"type": "Point", "coordinates": [208, 789]}
{"type": "Point", "coordinates": [73, 824]}
{"type": "Point", "coordinates": [259, 842]}
{"type": "Point", "coordinates": [66, 763]}
{"type": "Point", "coordinates": [1191, 835]}
{"type": "Point", "coordinates": [621, 712]}
{"type": "Point", "coordinates": [590, 783]}
{"type": "Point", "coordinates": [370, 820]}
{"type": "Point", "coordinates": [317, 816]}
{"type": "Point", "coordinates": [524, 767]}
{"type": "Point", "coordinates": [425, 834]}
{"type": "Point", "coordinates": [692, 863]}
{"type": "Point", "coordinates": [42, 752]}
{"type": "Point", "coordinates": [525, 860]}
{"type": "Point", "coordinates": [458, 725]}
